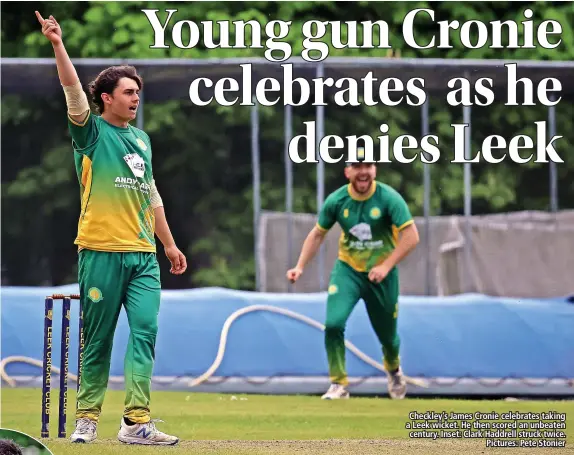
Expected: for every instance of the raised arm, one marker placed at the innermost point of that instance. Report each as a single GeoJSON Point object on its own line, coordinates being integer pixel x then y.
{"type": "Point", "coordinates": [76, 100]}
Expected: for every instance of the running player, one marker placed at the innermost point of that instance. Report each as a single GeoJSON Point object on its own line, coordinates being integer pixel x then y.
{"type": "Point", "coordinates": [378, 232]}
{"type": "Point", "coordinates": [121, 211]}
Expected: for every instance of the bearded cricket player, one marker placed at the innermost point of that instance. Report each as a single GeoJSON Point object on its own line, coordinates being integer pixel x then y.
{"type": "Point", "coordinates": [121, 212]}
{"type": "Point", "coordinates": [378, 232]}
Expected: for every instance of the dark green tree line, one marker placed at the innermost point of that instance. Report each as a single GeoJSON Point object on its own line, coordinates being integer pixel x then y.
{"type": "Point", "coordinates": [202, 154]}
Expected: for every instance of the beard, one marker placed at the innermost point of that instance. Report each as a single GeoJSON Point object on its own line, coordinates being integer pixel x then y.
{"type": "Point", "coordinates": [362, 186]}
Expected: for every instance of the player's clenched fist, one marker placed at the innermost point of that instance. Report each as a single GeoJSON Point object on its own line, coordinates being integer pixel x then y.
{"type": "Point", "coordinates": [379, 273]}
{"type": "Point", "coordinates": [50, 28]}
{"type": "Point", "coordinates": [294, 274]}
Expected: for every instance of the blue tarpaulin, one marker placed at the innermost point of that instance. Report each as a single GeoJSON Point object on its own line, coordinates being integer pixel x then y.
{"type": "Point", "coordinates": [441, 337]}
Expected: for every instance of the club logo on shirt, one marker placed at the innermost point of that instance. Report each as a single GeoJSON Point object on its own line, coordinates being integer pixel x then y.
{"type": "Point", "coordinates": [333, 289]}
{"type": "Point", "coordinates": [136, 164]}
{"type": "Point", "coordinates": [346, 213]}
{"type": "Point", "coordinates": [141, 143]}
{"type": "Point", "coordinates": [95, 295]}
{"type": "Point", "coordinates": [375, 213]}
{"type": "Point", "coordinates": [362, 231]}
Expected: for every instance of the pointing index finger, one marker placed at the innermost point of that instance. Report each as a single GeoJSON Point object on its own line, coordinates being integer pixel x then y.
{"type": "Point", "coordinates": [40, 18]}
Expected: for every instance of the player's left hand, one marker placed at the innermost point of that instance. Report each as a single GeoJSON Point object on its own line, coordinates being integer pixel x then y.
{"type": "Point", "coordinates": [177, 260]}
{"type": "Point", "coordinates": [379, 273]}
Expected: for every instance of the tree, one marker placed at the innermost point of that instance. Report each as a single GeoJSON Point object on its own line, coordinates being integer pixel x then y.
{"type": "Point", "coordinates": [201, 154]}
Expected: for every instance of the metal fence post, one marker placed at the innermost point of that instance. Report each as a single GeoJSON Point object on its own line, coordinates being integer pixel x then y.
{"type": "Point", "coordinates": [320, 132]}
{"type": "Point", "coordinates": [426, 201]}
{"type": "Point", "coordinates": [288, 126]}
{"type": "Point", "coordinates": [256, 186]}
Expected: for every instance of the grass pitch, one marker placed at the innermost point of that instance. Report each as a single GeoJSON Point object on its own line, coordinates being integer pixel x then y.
{"type": "Point", "coordinates": [257, 424]}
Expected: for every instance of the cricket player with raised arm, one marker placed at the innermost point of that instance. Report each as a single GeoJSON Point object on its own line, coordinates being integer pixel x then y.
{"type": "Point", "coordinates": [121, 211]}
{"type": "Point", "coordinates": [378, 231]}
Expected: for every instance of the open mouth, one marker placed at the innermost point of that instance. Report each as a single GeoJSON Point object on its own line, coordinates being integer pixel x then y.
{"type": "Point", "coordinates": [363, 178]}
{"type": "Point", "coordinates": [133, 108]}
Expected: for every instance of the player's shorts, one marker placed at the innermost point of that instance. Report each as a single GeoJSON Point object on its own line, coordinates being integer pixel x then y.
{"type": "Point", "coordinates": [111, 279]}
{"type": "Point", "coordinates": [347, 286]}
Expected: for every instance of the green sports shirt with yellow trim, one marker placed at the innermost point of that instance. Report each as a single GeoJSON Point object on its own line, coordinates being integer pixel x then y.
{"type": "Point", "coordinates": [113, 166]}
{"type": "Point", "coordinates": [370, 225]}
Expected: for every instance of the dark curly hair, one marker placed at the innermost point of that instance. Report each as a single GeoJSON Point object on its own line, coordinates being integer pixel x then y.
{"type": "Point", "coordinates": [107, 81]}
{"type": "Point", "coordinates": [9, 447]}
